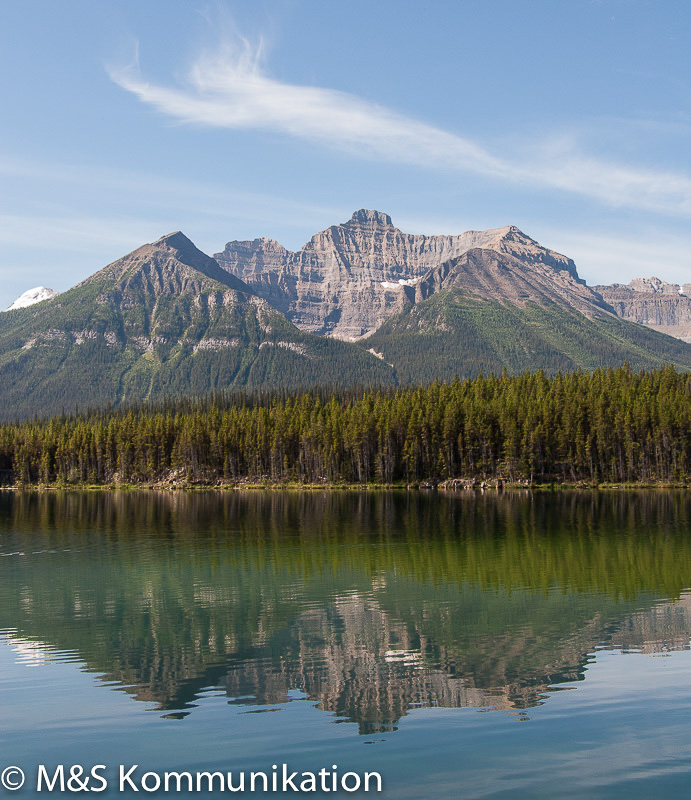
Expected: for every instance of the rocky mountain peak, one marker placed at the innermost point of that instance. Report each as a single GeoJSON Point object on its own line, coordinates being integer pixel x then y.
{"type": "Point", "coordinates": [512, 232]}
{"type": "Point", "coordinates": [662, 306]}
{"type": "Point", "coordinates": [350, 277]}
{"type": "Point", "coordinates": [366, 217]}
{"type": "Point", "coordinates": [184, 251]}
{"type": "Point", "coordinates": [176, 240]}
{"type": "Point", "coordinates": [170, 265]}
{"type": "Point", "coordinates": [655, 286]}
{"type": "Point", "coordinates": [510, 276]}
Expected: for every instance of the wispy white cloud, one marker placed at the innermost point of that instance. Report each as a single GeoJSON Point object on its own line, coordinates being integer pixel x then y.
{"type": "Point", "coordinates": [616, 185]}
{"type": "Point", "coordinates": [231, 88]}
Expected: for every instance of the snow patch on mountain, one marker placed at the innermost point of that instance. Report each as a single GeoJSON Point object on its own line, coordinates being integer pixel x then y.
{"type": "Point", "coordinates": [33, 296]}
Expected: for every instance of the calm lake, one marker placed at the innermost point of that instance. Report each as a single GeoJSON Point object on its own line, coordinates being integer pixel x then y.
{"type": "Point", "coordinates": [461, 646]}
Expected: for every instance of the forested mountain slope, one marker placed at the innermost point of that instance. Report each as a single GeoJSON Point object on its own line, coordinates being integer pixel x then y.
{"type": "Point", "coordinates": [487, 311]}
{"type": "Point", "coordinates": [163, 320]}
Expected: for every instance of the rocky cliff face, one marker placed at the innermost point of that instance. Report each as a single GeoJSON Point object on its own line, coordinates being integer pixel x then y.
{"type": "Point", "coordinates": [349, 278]}
{"type": "Point", "coordinates": [512, 274]}
{"type": "Point", "coordinates": [665, 307]}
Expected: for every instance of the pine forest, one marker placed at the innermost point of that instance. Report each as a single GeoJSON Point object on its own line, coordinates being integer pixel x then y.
{"type": "Point", "coordinates": [608, 426]}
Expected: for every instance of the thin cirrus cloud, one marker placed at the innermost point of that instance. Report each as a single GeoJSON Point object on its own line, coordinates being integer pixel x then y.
{"type": "Point", "coordinates": [231, 89]}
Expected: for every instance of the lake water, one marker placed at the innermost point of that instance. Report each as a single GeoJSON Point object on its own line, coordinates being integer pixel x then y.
{"type": "Point", "coordinates": [461, 646]}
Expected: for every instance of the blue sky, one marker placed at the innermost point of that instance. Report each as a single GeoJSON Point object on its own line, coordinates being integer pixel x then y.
{"type": "Point", "coordinates": [123, 121]}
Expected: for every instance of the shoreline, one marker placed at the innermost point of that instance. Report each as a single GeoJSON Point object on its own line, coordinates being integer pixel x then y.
{"type": "Point", "coordinates": [477, 487]}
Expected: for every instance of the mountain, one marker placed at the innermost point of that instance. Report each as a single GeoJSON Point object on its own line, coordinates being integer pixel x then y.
{"type": "Point", "coordinates": [662, 306]}
{"type": "Point", "coordinates": [165, 319]}
{"type": "Point", "coordinates": [168, 319]}
{"type": "Point", "coordinates": [347, 280]}
{"type": "Point", "coordinates": [437, 306]}
{"type": "Point", "coordinates": [491, 309]}
{"type": "Point", "coordinates": [33, 296]}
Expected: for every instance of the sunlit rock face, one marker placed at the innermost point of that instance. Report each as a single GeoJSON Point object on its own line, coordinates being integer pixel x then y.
{"type": "Point", "coordinates": [351, 277]}
{"type": "Point", "coordinates": [665, 307]}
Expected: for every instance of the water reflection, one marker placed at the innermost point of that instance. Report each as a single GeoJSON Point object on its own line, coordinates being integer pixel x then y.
{"type": "Point", "coordinates": [367, 603]}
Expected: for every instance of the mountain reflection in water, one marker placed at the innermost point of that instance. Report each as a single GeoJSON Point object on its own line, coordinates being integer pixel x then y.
{"type": "Point", "coordinates": [367, 603]}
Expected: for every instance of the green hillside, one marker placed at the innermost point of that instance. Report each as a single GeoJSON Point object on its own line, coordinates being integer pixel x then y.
{"type": "Point", "coordinates": [451, 334]}
{"type": "Point", "coordinates": [165, 320]}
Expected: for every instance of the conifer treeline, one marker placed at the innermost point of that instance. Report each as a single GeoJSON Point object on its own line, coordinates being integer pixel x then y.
{"type": "Point", "coordinates": [605, 426]}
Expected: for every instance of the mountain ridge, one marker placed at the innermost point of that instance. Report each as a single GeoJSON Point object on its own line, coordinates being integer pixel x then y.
{"type": "Point", "coordinates": [485, 272]}
{"type": "Point", "coordinates": [662, 306]}
{"type": "Point", "coordinates": [345, 281]}
{"type": "Point", "coordinates": [169, 320]}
